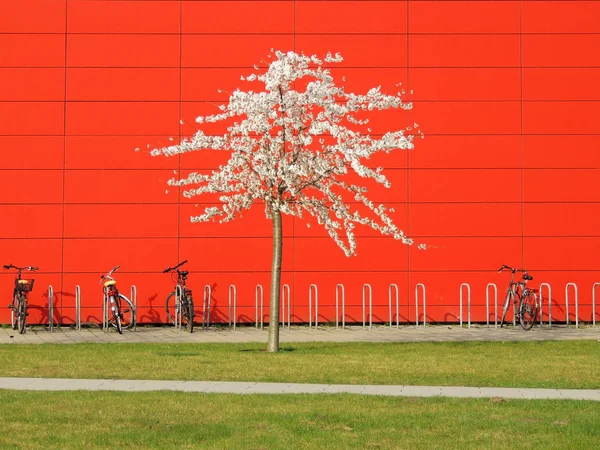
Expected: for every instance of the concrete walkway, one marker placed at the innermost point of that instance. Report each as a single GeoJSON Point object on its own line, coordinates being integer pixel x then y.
{"type": "Point", "coordinates": [63, 384]}
{"type": "Point", "coordinates": [170, 335]}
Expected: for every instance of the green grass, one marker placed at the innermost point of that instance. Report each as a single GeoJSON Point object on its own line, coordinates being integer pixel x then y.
{"type": "Point", "coordinates": [36, 420]}
{"type": "Point", "coordinates": [549, 364]}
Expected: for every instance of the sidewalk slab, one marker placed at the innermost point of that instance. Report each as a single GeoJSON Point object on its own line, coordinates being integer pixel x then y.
{"type": "Point", "coordinates": [234, 387]}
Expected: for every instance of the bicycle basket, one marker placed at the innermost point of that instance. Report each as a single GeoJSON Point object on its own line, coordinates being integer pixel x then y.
{"type": "Point", "coordinates": [24, 285]}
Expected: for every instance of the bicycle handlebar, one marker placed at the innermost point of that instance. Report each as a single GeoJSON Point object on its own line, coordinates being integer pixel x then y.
{"type": "Point", "coordinates": [30, 268]}
{"type": "Point", "coordinates": [512, 269]}
{"type": "Point", "coordinates": [169, 269]}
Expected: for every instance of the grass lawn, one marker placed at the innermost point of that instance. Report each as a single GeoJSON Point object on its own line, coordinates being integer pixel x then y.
{"type": "Point", "coordinates": [180, 420]}
{"type": "Point", "coordinates": [549, 364]}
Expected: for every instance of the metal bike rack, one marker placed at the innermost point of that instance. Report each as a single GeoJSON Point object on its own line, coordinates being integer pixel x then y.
{"type": "Point", "coordinates": [463, 285]}
{"type": "Point", "coordinates": [285, 289]}
{"type": "Point", "coordinates": [259, 288]}
{"type": "Point", "coordinates": [206, 306]}
{"type": "Point", "coordinates": [487, 304]}
{"type": "Point", "coordinates": [232, 299]}
{"type": "Point", "coordinates": [594, 303]}
{"type": "Point", "coordinates": [549, 288]}
{"type": "Point", "coordinates": [178, 312]}
{"type": "Point", "coordinates": [77, 308]}
{"type": "Point", "coordinates": [576, 303]}
{"type": "Point", "coordinates": [134, 303]}
{"type": "Point", "coordinates": [364, 289]}
{"type": "Point", "coordinates": [311, 288]}
{"type": "Point", "coordinates": [104, 311]}
{"type": "Point", "coordinates": [422, 286]}
{"type": "Point", "coordinates": [51, 308]}
{"type": "Point", "coordinates": [395, 287]}
{"type": "Point", "coordinates": [337, 302]}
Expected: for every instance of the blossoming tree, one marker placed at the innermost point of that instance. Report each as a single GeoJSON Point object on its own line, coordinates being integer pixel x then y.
{"type": "Point", "coordinates": [294, 146]}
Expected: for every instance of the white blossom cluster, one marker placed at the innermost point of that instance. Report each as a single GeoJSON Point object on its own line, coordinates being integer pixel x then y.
{"type": "Point", "coordinates": [293, 145]}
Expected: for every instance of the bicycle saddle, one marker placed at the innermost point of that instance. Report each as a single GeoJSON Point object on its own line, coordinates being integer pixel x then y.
{"type": "Point", "coordinates": [527, 277]}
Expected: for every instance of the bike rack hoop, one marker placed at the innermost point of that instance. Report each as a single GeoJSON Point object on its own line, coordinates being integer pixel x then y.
{"type": "Point", "coordinates": [395, 288]}
{"type": "Point", "coordinates": [574, 286]}
{"type": "Point", "coordinates": [487, 304]}
{"type": "Point", "coordinates": [313, 288]}
{"type": "Point", "coordinates": [463, 285]}
{"type": "Point", "coordinates": [340, 288]}
{"type": "Point", "coordinates": [424, 291]}
{"type": "Point", "coordinates": [366, 287]}
{"type": "Point", "coordinates": [232, 300]}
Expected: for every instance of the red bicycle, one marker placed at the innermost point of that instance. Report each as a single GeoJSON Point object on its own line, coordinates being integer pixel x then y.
{"type": "Point", "coordinates": [18, 306]}
{"type": "Point", "coordinates": [122, 312]}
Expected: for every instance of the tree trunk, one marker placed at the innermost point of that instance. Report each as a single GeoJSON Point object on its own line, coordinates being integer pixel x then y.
{"type": "Point", "coordinates": [273, 343]}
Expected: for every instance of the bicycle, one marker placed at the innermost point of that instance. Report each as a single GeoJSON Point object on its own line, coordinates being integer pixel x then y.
{"type": "Point", "coordinates": [122, 310]}
{"type": "Point", "coordinates": [524, 300]}
{"type": "Point", "coordinates": [18, 306]}
{"type": "Point", "coordinates": [180, 303]}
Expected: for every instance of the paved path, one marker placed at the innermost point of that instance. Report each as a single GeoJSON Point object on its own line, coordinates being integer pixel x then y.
{"type": "Point", "coordinates": [39, 335]}
{"type": "Point", "coordinates": [63, 384]}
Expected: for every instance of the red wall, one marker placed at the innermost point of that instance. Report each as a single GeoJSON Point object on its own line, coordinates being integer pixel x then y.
{"type": "Point", "coordinates": [506, 93]}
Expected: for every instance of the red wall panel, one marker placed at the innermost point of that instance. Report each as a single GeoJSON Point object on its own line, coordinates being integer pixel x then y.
{"type": "Point", "coordinates": [351, 17]}
{"type": "Point", "coordinates": [116, 152]}
{"type": "Point", "coordinates": [231, 50]}
{"type": "Point", "coordinates": [467, 118]}
{"type": "Point", "coordinates": [560, 117]}
{"type": "Point", "coordinates": [132, 254]}
{"type": "Point", "coordinates": [126, 118]}
{"type": "Point", "coordinates": [506, 172]}
{"type": "Point", "coordinates": [560, 50]}
{"type": "Point", "coordinates": [561, 17]}
{"type": "Point", "coordinates": [262, 17]}
{"type": "Point", "coordinates": [30, 221]}
{"type": "Point", "coordinates": [561, 151]}
{"type": "Point", "coordinates": [465, 219]}
{"type": "Point", "coordinates": [468, 185]}
{"type": "Point", "coordinates": [357, 50]}
{"type": "Point", "coordinates": [35, 16]}
{"type": "Point", "coordinates": [561, 219]}
{"type": "Point", "coordinates": [123, 50]}
{"type": "Point", "coordinates": [32, 152]}
{"type": "Point", "coordinates": [558, 185]}
{"type": "Point", "coordinates": [31, 186]}
{"type": "Point", "coordinates": [117, 186]}
{"type": "Point", "coordinates": [111, 16]}
{"type": "Point", "coordinates": [133, 220]}
{"type": "Point", "coordinates": [462, 50]}
{"type": "Point", "coordinates": [450, 17]}
{"type": "Point", "coordinates": [26, 84]}
{"type": "Point", "coordinates": [129, 84]}
{"type": "Point", "coordinates": [466, 152]}
{"type": "Point", "coordinates": [32, 118]}
{"type": "Point", "coordinates": [465, 84]}
{"type": "Point", "coordinates": [561, 83]}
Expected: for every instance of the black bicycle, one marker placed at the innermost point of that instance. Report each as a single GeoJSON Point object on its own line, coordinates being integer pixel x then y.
{"type": "Point", "coordinates": [179, 303]}
{"type": "Point", "coordinates": [524, 300]}
{"type": "Point", "coordinates": [18, 306]}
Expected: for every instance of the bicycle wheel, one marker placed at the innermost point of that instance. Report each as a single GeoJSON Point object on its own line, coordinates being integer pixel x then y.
{"type": "Point", "coordinates": [116, 315]}
{"type": "Point", "coordinates": [22, 315]}
{"type": "Point", "coordinates": [528, 310]}
{"type": "Point", "coordinates": [505, 307]}
{"type": "Point", "coordinates": [171, 307]}
{"type": "Point", "coordinates": [188, 314]}
{"type": "Point", "coordinates": [127, 312]}
{"type": "Point", "coordinates": [13, 313]}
